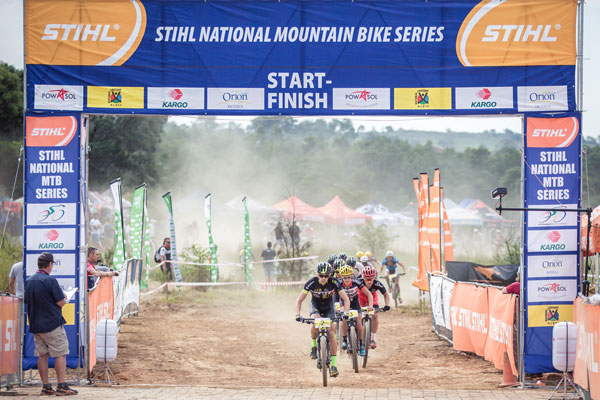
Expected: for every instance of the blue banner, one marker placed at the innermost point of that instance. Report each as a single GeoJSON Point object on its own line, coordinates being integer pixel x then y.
{"type": "Point", "coordinates": [52, 214]}
{"type": "Point", "coordinates": [551, 238]}
{"type": "Point", "coordinates": [301, 57]}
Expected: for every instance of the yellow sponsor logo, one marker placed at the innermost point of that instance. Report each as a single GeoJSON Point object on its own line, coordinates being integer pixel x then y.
{"type": "Point", "coordinates": [518, 33]}
{"type": "Point", "coordinates": [549, 314]}
{"type": "Point", "coordinates": [115, 97]}
{"type": "Point", "coordinates": [68, 312]}
{"type": "Point", "coordinates": [61, 32]}
{"type": "Point", "coordinates": [422, 98]}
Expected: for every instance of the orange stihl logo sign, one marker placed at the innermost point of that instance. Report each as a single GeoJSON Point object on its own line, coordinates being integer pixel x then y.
{"type": "Point", "coordinates": [61, 32]}
{"type": "Point", "coordinates": [551, 132]}
{"type": "Point", "coordinates": [50, 131]}
{"type": "Point", "coordinates": [518, 33]}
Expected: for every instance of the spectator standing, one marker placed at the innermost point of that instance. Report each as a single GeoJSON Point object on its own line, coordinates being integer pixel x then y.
{"type": "Point", "coordinates": [268, 255]}
{"type": "Point", "coordinates": [15, 280]}
{"type": "Point", "coordinates": [279, 237]}
{"type": "Point", "coordinates": [45, 300]}
{"type": "Point", "coordinates": [165, 256]}
{"type": "Point", "coordinates": [95, 230]}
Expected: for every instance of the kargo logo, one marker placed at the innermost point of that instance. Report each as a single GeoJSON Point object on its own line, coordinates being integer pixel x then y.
{"type": "Point", "coordinates": [518, 32]}
{"type": "Point", "coordinates": [551, 132]}
{"type": "Point", "coordinates": [49, 131]}
{"type": "Point", "coordinates": [61, 32]}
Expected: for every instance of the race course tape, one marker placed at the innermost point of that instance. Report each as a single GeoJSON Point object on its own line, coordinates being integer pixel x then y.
{"type": "Point", "coordinates": [192, 284]}
{"type": "Point", "coordinates": [228, 264]}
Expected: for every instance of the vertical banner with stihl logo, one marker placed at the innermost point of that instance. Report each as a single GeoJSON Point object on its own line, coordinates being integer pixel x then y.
{"type": "Point", "coordinates": [552, 166]}
{"type": "Point", "coordinates": [448, 246]}
{"type": "Point", "coordinates": [174, 265]}
{"type": "Point", "coordinates": [214, 271]}
{"type": "Point", "coordinates": [52, 213]}
{"type": "Point", "coordinates": [247, 244]}
{"type": "Point", "coordinates": [433, 223]}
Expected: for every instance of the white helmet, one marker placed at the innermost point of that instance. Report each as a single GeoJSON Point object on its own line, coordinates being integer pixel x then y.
{"type": "Point", "coordinates": [389, 254]}
{"type": "Point", "coordinates": [364, 259]}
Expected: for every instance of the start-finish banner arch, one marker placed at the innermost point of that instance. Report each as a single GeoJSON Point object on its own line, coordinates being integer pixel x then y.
{"type": "Point", "coordinates": [301, 57]}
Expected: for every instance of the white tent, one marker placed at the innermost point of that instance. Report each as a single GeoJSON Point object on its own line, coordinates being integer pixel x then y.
{"type": "Point", "coordinates": [382, 215]}
{"type": "Point", "coordinates": [458, 216]}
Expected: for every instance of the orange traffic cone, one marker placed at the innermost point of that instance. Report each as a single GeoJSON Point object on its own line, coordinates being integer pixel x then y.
{"type": "Point", "coordinates": [508, 379]}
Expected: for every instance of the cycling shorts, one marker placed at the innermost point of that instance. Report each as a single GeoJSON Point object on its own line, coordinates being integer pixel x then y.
{"type": "Point", "coordinates": [324, 310]}
{"type": "Point", "coordinates": [364, 300]}
{"type": "Point", "coordinates": [354, 304]}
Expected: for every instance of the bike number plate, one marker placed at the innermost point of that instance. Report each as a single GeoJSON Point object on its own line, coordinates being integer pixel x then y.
{"type": "Point", "coordinates": [352, 314]}
{"type": "Point", "coordinates": [392, 276]}
{"type": "Point", "coordinates": [322, 322]}
{"type": "Point", "coordinates": [337, 306]}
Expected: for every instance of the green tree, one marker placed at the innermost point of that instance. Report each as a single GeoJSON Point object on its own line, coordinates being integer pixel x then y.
{"type": "Point", "coordinates": [11, 128]}
{"type": "Point", "coordinates": [374, 238]}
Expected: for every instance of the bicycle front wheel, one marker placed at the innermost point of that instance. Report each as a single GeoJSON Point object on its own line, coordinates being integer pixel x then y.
{"type": "Point", "coordinates": [366, 341]}
{"type": "Point", "coordinates": [353, 339]}
{"type": "Point", "coordinates": [324, 358]}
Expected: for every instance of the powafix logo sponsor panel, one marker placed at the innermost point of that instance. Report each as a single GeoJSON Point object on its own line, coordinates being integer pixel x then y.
{"type": "Point", "coordinates": [361, 98]}
{"type": "Point", "coordinates": [49, 239]}
{"type": "Point", "coordinates": [553, 290]}
{"type": "Point", "coordinates": [58, 97]}
{"type": "Point", "coordinates": [137, 43]}
{"type": "Point", "coordinates": [51, 214]}
{"type": "Point", "coordinates": [64, 264]}
{"type": "Point", "coordinates": [542, 98]}
{"type": "Point", "coordinates": [558, 217]}
{"type": "Point", "coordinates": [235, 99]}
{"type": "Point", "coordinates": [482, 98]}
{"type": "Point", "coordinates": [552, 240]}
{"type": "Point", "coordinates": [563, 265]}
{"type": "Point", "coordinates": [176, 98]}
{"type": "Point", "coordinates": [51, 162]}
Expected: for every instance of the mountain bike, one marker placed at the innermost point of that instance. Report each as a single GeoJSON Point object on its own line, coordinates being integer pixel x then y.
{"type": "Point", "coordinates": [394, 286]}
{"type": "Point", "coordinates": [353, 341]}
{"type": "Point", "coordinates": [367, 317]}
{"type": "Point", "coordinates": [323, 354]}
{"type": "Point", "coordinates": [338, 328]}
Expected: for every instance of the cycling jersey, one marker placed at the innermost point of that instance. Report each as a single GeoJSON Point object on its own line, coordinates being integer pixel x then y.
{"type": "Point", "coordinates": [322, 294]}
{"type": "Point", "coordinates": [353, 288]}
{"type": "Point", "coordinates": [392, 269]}
{"type": "Point", "coordinates": [376, 286]}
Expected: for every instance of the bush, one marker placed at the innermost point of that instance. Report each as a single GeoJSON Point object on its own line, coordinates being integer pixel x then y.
{"type": "Point", "coordinates": [374, 238]}
{"type": "Point", "coordinates": [10, 254]}
{"type": "Point", "coordinates": [195, 273]}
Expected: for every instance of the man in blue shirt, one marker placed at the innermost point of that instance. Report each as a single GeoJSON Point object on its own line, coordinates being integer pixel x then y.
{"type": "Point", "coordinates": [44, 299]}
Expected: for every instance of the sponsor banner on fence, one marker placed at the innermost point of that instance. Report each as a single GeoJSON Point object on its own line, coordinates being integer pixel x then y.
{"type": "Point", "coordinates": [58, 97]}
{"type": "Point", "coordinates": [235, 99]}
{"type": "Point", "coordinates": [435, 294]}
{"type": "Point", "coordinates": [50, 239]}
{"type": "Point", "coordinates": [542, 98]}
{"type": "Point", "coordinates": [558, 217]}
{"type": "Point", "coordinates": [447, 289]}
{"type": "Point", "coordinates": [100, 306]}
{"type": "Point", "coordinates": [484, 98]}
{"type": "Point", "coordinates": [176, 98]}
{"type": "Point", "coordinates": [9, 335]}
{"type": "Point", "coordinates": [64, 264]}
{"type": "Point", "coordinates": [552, 265]}
{"type": "Point", "coordinates": [551, 290]}
{"type": "Point", "coordinates": [469, 313]}
{"type": "Point", "coordinates": [587, 362]}
{"type": "Point", "coordinates": [552, 240]}
{"type": "Point", "coordinates": [51, 214]}
{"type": "Point", "coordinates": [361, 99]}
{"type": "Point", "coordinates": [297, 52]}
{"type": "Point", "coordinates": [549, 314]}
{"type": "Point", "coordinates": [500, 332]}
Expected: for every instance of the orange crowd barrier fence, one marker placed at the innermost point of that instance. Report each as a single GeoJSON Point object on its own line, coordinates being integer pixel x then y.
{"type": "Point", "coordinates": [9, 336]}
{"type": "Point", "coordinates": [101, 306]}
{"type": "Point", "coordinates": [587, 362]}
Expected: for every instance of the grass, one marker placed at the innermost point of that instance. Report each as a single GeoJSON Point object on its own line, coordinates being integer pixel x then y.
{"type": "Point", "coordinates": [10, 253]}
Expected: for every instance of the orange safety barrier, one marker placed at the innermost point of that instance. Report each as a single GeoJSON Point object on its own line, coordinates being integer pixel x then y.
{"type": "Point", "coordinates": [500, 332]}
{"type": "Point", "coordinates": [469, 316]}
{"type": "Point", "coordinates": [587, 363]}
{"type": "Point", "coordinates": [9, 333]}
{"type": "Point", "coordinates": [101, 306]}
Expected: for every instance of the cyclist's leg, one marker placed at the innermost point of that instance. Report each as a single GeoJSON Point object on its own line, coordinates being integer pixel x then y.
{"type": "Point", "coordinates": [330, 313]}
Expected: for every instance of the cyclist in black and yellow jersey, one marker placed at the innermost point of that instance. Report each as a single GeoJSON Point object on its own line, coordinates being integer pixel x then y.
{"type": "Point", "coordinates": [322, 288]}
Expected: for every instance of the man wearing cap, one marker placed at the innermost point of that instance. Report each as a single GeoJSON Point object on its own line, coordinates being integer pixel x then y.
{"type": "Point", "coordinates": [44, 299]}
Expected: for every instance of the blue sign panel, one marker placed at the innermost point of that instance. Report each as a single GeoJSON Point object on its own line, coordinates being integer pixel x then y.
{"type": "Point", "coordinates": [552, 181]}
{"type": "Point", "coordinates": [300, 57]}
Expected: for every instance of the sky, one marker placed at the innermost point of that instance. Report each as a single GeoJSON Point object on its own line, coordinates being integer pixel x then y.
{"type": "Point", "coordinates": [11, 52]}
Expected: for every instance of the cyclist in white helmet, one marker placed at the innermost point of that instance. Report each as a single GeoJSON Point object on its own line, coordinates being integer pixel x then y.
{"type": "Point", "coordinates": [391, 264]}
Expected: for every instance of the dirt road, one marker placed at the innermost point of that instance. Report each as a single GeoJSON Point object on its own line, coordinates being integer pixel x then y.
{"type": "Point", "coordinates": [250, 338]}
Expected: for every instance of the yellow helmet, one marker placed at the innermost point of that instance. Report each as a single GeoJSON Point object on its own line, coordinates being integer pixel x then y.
{"type": "Point", "coordinates": [368, 254]}
{"type": "Point", "coordinates": [346, 270]}
{"type": "Point", "coordinates": [359, 254]}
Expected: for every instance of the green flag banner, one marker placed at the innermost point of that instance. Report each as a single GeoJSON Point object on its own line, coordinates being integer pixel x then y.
{"type": "Point", "coordinates": [214, 269]}
{"type": "Point", "coordinates": [175, 266]}
{"type": "Point", "coordinates": [136, 223]}
{"type": "Point", "coordinates": [119, 254]}
{"type": "Point", "coordinates": [247, 245]}
{"type": "Point", "coordinates": [147, 246]}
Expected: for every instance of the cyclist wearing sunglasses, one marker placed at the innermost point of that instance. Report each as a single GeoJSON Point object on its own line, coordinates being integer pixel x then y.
{"type": "Point", "coordinates": [322, 288]}
{"type": "Point", "coordinates": [373, 286]}
{"type": "Point", "coordinates": [353, 287]}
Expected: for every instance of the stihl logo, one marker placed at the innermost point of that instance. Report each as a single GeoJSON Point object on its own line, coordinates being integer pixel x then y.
{"type": "Point", "coordinates": [519, 33]}
{"type": "Point", "coordinates": [48, 132]}
{"type": "Point", "coordinates": [549, 133]}
{"type": "Point", "coordinates": [79, 32]}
